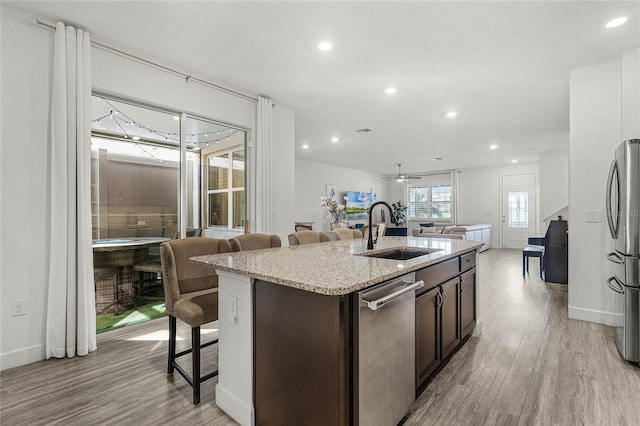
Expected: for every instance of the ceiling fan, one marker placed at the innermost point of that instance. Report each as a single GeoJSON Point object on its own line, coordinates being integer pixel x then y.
{"type": "Point", "coordinates": [400, 177]}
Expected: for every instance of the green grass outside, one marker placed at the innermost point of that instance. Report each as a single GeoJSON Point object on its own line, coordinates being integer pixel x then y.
{"type": "Point", "coordinates": [109, 321]}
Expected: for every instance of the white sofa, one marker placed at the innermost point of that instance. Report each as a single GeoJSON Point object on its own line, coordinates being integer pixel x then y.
{"type": "Point", "coordinates": [477, 232]}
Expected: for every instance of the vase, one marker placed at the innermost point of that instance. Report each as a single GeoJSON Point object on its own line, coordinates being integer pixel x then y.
{"type": "Point", "coordinates": [338, 220]}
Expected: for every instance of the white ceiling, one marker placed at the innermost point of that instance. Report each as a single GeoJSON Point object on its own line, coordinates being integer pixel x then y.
{"type": "Point", "coordinates": [504, 66]}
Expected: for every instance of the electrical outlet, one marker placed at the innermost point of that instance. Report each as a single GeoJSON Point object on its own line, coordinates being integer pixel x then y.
{"type": "Point", "coordinates": [232, 314]}
{"type": "Point", "coordinates": [18, 307]}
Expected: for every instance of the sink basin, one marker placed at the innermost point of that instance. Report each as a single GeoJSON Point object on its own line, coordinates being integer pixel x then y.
{"type": "Point", "coordinates": [404, 253]}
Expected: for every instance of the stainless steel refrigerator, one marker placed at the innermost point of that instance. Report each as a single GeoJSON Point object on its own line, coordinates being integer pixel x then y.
{"type": "Point", "coordinates": [623, 207]}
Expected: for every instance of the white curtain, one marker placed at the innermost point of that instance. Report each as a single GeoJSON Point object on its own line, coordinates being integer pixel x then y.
{"type": "Point", "coordinates": [71, 315]}
{"type": "Point", "coordinates": [264, 208]}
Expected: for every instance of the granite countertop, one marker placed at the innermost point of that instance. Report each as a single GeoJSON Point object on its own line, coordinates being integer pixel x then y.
{"type": "Point", "coordinates": [334, 268]}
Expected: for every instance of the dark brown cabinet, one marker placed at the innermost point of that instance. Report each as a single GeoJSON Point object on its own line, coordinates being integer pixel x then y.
{"type": "Point", "coordinates": [467, 302]}
{"type": "Point", "coordinates": [445, 312]}
{"type": "Point", "coordinates": [450, 316]}
{"type": "Point", "coordinates": [428, 336]}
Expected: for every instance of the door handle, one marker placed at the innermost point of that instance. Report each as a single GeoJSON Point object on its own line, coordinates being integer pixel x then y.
{"type": "Point", "coordinates": [613, 257]}
{"type": "Point", "coordinates": [613, 227]}
{"type": "Point", "coordinates": [444, 292]}
{"type": "Point", "coordinates": [618, 290]}
{"type": "Point", "coordinates": [438, 301]}
{"type": "Point", "coordinates": [378, 303]}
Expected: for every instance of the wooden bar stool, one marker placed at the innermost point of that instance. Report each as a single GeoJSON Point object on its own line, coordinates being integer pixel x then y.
{"type": "Point", "coordinates": [532, 251]}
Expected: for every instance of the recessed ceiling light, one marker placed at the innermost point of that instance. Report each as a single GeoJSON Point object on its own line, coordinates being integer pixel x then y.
{"type": "Point", "coordinates": [494, 146]}
{"type": "Point", "coordinates": [390, 90]}
{"type": "Point", "coordinates": [305, 146]}
{"type": "Point", "coordinates": [451, 114]}
{"type": "Point", "coordinates": [514, 161]}
{"type": "Point", "coordinates": [616, 22]}
{"type": "Point", "coordinates": [325, 46]}
{"type": "Point", "coordinates": [135, 138]}
{"type": "Point", "coordinates": [175, 117]}
{"type": "Point", "coordinates": [335, 139]}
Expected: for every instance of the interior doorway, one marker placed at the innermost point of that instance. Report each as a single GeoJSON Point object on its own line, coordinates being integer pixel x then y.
{"type": "Point", "coordinates": [518, 209]}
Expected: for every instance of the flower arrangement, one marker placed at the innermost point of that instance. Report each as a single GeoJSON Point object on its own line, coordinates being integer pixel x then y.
{"type": "Point", "coordinates": [335, 210]}
{"type": "Point", "coordinates": [399, 210]}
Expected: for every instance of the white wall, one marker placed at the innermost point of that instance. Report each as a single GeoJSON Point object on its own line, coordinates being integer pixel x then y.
{"type": "Point", "coordinates": [479, 195]}
{"type": "Point", "coordinates": [630, 121]}
{"type": "Point", "coordinates": [26, 73]}
{"type": "Point", "coordinates": [554, 182]}
{"type": "Point", "coordinates": [595, 103]}
{"type": "Point", "coordinates": [311, 180]}
{"type": "Point", "coordinates": [26, 76]}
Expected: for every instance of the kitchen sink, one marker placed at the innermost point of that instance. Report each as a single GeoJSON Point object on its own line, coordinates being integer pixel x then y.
{"type": "Point", "coordinates": [402, 253]}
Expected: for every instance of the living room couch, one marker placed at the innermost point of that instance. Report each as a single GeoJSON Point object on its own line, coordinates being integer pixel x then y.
{"type": "Point", "coordinates": [477, 232]}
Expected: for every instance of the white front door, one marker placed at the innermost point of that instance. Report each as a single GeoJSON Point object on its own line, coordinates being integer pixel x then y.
{"type": "Point", "coordinates": [518, 209]}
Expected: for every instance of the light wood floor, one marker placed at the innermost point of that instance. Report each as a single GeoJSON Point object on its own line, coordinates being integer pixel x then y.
{"type": "Point", "coordinates": [531, 365]}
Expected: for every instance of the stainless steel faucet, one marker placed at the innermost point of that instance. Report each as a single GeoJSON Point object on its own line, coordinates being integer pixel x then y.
{"type": "Point", "coordinates": [391, 217]}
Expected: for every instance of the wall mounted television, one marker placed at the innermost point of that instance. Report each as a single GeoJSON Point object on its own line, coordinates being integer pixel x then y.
{"type": "Point", "coordinates": [358, 203]}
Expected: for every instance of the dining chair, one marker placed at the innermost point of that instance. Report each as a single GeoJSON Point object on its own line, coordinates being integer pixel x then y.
{"type": "Point", "coordinates": [254, 241]}
{"type": "Point", "coordinates": [147, 270]}
{"type": "Point", "coordinates": [191, 294]}
{"type": "Point", "coordinates": [378, 230]}
{"type": "Point", "coordinates": [308, 237]}
{"type": "Point", "coordinates": [344, 234]}
{"type": "Point", "coordinates": [193, 232]}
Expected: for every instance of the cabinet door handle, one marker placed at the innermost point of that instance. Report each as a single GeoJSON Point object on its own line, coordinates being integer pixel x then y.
{"type": "Point", "coordinates": [438, 301]}
{"type": "Point", "coordinates": [463, 285]}
{"type": "Point", "coordinates": [444, 292]}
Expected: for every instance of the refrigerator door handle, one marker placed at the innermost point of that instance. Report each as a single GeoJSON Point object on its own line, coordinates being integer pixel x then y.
{"type": "Point", "coordinates": [619, 290]}
{"type": "Point", "coordinates": [613, 257]}
{"type": "Point", "coordinates": [613, 174]}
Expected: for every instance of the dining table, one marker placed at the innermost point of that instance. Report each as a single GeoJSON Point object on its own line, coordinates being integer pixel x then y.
{"type": "Point", "coordinates": [113, 260]}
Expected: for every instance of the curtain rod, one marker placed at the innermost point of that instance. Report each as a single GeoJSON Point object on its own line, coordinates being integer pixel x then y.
{"type": "Point", "coordinates": [37, 22]}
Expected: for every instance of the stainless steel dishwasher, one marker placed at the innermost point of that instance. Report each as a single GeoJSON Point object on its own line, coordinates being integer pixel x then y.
{"type": "Point", "coordinates": [385, 358]}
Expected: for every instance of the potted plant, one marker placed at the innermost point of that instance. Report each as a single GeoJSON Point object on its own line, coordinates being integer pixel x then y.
{"type": "Point", "coordinates": [399, 220]}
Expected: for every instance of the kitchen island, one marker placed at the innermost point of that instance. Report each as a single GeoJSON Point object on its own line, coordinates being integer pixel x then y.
{"type": "Point", "coordinates": [288, 327]}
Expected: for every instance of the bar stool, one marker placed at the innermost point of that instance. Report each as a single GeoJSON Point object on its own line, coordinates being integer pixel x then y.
{"type": "Point", "coordinates": [532, 251]}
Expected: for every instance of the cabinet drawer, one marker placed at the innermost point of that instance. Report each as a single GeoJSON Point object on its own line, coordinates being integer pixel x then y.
{"type": "Point", "coordinates": [438, 273]}
{"type": "Point", "coordinates": [467, 261]}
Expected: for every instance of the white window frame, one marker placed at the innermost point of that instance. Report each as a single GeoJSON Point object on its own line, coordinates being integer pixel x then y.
{"type": "Point", "coordinates": [230, 190]}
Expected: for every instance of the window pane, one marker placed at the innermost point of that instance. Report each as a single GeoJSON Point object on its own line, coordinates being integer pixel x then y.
{"type": "Point", "coordinates": [417, 211]}
{"type": "Point", "coordinates": [238, 169]}
{"type": "Point", "coordinates": [238, 209]}
{"type": "Point", "coordinates": [440, 211]}
{"type": "Point", "coordinates": [518, 210]}
{"type": "Point", "coordinates": [418, 194]}
{"type": "Point", "coordinates": [219, 172]}
{"type": "Point", "coordinates": [441, 193]}
{"type": "Point", "coordinates": [219, 209]}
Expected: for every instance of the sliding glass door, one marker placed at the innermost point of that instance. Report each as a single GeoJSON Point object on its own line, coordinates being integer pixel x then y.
{"type": "Point", "coordinates": [156, 175]}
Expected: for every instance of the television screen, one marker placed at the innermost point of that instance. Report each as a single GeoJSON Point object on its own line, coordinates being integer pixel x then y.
{"type": "Point", "coordinates": [358, 203]}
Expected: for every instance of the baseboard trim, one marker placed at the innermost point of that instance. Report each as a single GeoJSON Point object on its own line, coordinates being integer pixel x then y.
{"type": "Point", "coordinates": [22, 356]}
{"type": "Point", "coordinates": [234, 407]}
{"type": "Point", "coordinates": [592, 315]}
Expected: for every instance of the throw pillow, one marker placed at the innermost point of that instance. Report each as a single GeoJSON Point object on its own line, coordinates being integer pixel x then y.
{"type": "Point", "coordinates": [447, 229]}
